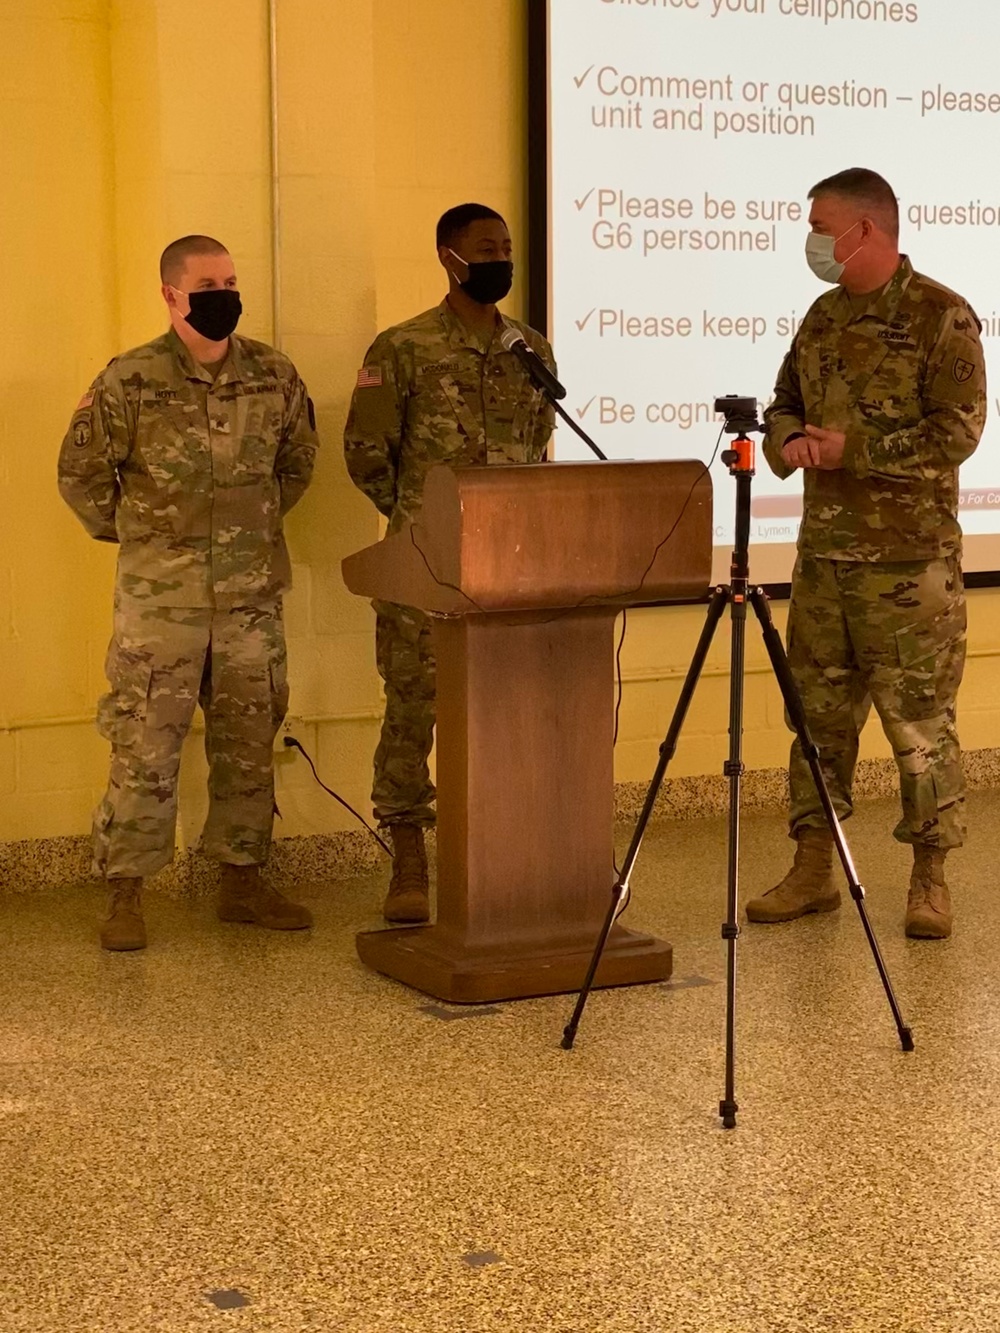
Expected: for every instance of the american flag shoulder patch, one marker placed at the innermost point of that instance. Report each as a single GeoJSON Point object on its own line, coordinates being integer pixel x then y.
{"type": "Point", "coordinates": [85, 401]}
{"type": "Point", "coordinates": [370, 377]}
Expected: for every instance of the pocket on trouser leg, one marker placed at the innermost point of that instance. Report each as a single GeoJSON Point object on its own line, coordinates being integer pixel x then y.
{"type": "Point", "coordinates": [930, 659]}
{"type": "Point", "coordinates": [932, 789]}
{"type": "Point", "coordinates": [404, 651]}
{"type": "Point", "coordinates": [933, 812]}
{"type": "Point", "coordinates": [241, 774]}
{"type": "Point", "coordinates": [246, 708]}
{"type": "Point", "coordinates": [279, 692]}
{"type": "Point", "coordinates": [100, 838]}
{"type": "Point", "coordinates": [279, 705]}
{"type": "Point", "coordinates": [918, 797]}
{"type": "Point", "coordinates": [122, 712]}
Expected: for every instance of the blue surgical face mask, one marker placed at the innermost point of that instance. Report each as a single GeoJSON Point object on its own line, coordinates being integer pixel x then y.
{"type": "Point", "coordinates": [819, 255]}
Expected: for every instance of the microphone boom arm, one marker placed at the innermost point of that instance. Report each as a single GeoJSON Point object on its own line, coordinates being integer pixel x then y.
{"type": "Point", "coordinates": [582, 433]}
{"type": "Point", "coordinates": [512, 341]}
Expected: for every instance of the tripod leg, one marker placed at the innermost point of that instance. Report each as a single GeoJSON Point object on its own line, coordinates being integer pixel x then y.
{"type": "Point", "coordinates": [716, 606]}
{"type": "Point", "coordinates": [734, 772]}
{"type": "Point", "coordinates": [793, 702]}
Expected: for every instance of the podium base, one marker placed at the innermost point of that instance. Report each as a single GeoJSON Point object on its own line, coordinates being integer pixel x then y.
{"type": "Point", "coordinates": [424, 958]}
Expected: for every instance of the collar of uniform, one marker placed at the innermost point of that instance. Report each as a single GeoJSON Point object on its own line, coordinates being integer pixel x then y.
{"type": "Point", "coordinates": [458, 335]}
{"type": "Point", "coordinates": [189, 366]}
{"type": "Point", "coordinates": [232, 367]}
{"type": "Point", "coordinates": [886, 304]}
{"type": "Point", "coordinates": [506, 323]}
{"type": "Point", "coordinates": [883, 303]}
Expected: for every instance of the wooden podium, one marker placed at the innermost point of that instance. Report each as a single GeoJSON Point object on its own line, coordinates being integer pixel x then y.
{"type": "Point", "coordinates": [524, 569]}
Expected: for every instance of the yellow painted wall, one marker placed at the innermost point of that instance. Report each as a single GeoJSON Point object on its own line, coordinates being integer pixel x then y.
{"type": "Point", "coordinates": [124, 123]}
{"type": "Point", "coordinates": [59, 323]}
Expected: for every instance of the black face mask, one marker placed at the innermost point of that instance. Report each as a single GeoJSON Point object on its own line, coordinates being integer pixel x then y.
{"type": "Point", "coordinates": [215, 313]}
{"type": "Point", "coordinates": [489, 281]}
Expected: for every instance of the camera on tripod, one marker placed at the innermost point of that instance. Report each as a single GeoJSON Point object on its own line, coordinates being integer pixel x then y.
{"type": "Point", "coordinates": [740, 414]}
{"type": "Point", "coordinates": [739, 594]}
{"type": "Point", "coordinates": [740, 420]}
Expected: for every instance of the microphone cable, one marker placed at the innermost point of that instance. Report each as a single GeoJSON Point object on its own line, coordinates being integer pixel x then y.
{"type": "Point", "coordinates": [591, 598]}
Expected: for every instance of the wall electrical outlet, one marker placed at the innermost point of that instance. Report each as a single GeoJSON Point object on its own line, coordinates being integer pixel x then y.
{"type": "Point", "coordinates": [284, 753]}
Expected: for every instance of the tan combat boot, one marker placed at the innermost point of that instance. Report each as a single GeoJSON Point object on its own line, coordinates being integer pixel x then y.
{"type": "Point", "coordinates": [123, 928]}
{"type": "Point", "coordinates": [408, 899]}
{"type": "Point", "coordinates": [808, 886]}
{"type": "Point", "coordinates": [244, 896]}
{"type": "Point", "coordinates": [928, 907]}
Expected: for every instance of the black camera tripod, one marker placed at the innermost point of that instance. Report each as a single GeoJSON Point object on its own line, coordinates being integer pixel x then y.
{"type": "Point", "coordinates": [736, 594]}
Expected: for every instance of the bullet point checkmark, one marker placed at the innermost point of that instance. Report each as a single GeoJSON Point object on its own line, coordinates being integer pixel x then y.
{"type": "Point", "coordinates": [581, 324]}
{"type": "Point", "coordinates": [582, 203]}
{"type": "Point", "coordinates": [581, 79]}
{"type": "Point", "coordinates": [581, 412]}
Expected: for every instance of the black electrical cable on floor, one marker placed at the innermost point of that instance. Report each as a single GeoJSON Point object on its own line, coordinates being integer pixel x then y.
{"type": "Point", "coordinates": [295, 744]}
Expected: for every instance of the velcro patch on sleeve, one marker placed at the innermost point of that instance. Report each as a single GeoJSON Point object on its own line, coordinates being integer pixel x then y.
{"type": "Point", "coordinates": [376, 413]}
{"type": "Point", "coordinates": [82, 431]}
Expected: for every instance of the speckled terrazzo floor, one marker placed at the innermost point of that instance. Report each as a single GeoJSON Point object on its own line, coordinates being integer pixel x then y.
{"type": "Point", "coordinates": [247, 1132]}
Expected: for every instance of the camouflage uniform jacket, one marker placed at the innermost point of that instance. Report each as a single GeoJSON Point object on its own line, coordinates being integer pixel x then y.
{"type": "Point", "coordinates": [430, 393]}
{"type": "Point", "coordinates": [904, 381]}
{"type": "Point", "coordinates": [190, 476]}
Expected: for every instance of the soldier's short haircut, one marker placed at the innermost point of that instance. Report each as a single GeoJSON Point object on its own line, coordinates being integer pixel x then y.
{"type": "Point", "coordinates": [452, 224]}
{"type": "Point", "coordinates": [867, 189]}
{"type": "Point", "coordinates": [176, 255]}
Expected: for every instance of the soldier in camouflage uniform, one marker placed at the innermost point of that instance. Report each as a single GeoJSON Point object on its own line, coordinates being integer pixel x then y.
{"type": "Point", "coordinates": [188, 452]}
{"type": "Point", "coordinates": [437, 389]}
{"type": "Point", "coordinates": [880, 399]}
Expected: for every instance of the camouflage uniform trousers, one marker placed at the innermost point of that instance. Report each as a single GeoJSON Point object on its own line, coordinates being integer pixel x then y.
{"type": "Point", "coordinates": [162, 661]}
{"type": "Point", "coordinates": [403, 792]}
{"type": "Point", "coordinates": [893, 635]}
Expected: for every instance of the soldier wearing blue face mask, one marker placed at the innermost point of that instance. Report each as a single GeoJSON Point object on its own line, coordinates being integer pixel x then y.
{"type": "Point", "coordinates": [881, 397]}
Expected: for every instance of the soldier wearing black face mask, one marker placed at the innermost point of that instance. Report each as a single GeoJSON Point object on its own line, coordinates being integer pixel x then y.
{"type": "Point", "coordinates": [438, 389]}
{"type": "Point", "coordinates": [188, 452]}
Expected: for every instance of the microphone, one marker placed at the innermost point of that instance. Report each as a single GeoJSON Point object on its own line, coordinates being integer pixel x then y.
{"type": "Point", "coordinates": [512, 341]}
